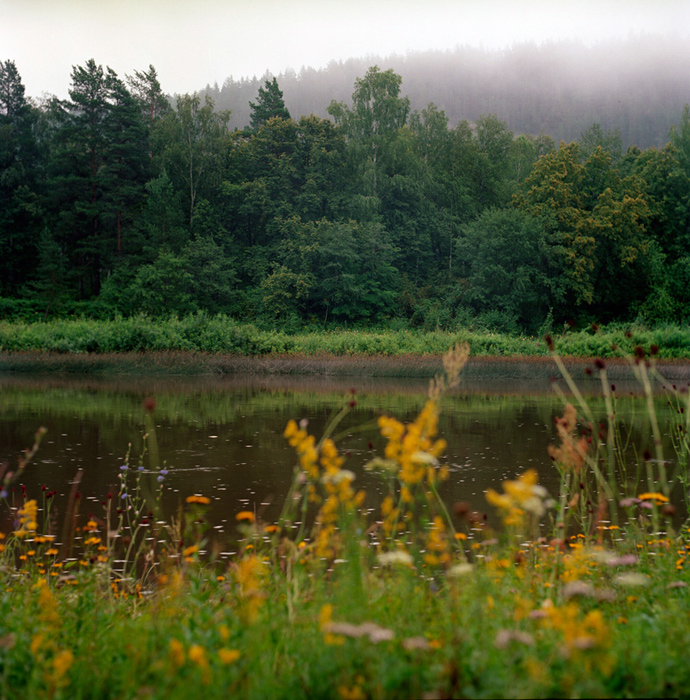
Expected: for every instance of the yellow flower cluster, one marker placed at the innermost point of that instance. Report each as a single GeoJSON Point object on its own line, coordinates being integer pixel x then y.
{"type": "Point", "coordinates": [338, 491]}
{"type": "Point", "coordinates": [27, 520]}
{"type": "Point", "coordinates": [413, 446]}
{"type": "Point", "coordinates": [582, 635]}
{"type": "Point", "coordinates": [437, 544]}
{"type": "Point", "coordinates": [520, 496]}
{"type": "Point", "coordinates": [55, 661]}
{"type": "Point", "coordinates": [304, 445]}
{"type": "Point", "coordinates": [249, 573]}
{"type": "Point", "coordinates": [323, 468]}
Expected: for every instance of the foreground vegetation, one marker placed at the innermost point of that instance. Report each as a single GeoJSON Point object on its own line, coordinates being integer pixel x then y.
{"type": "Point", "coordinates": [583, 593]}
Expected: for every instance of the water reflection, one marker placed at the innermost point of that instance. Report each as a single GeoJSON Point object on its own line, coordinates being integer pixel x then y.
{"type": "Point", "coordinates": [223, 436]}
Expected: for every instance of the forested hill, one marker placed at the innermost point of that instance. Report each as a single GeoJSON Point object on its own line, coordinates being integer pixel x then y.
{"type": "Point", "coordinates": [118, 201]}
{"type": "Point", "coordinates": [638, 86]}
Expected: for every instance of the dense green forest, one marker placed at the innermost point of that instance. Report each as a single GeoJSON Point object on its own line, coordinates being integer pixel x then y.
{"type": "Point", "coordinates": [120, 201]}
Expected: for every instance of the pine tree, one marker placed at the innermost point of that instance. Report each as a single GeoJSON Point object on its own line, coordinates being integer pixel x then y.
{"type": "Point", "coordinates": [19, 182]}
{"type": "Point", "coordinates": [269, 104]}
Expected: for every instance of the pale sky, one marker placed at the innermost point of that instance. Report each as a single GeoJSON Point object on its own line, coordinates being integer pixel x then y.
{"type": "Point", "coordinates": [195, 43]}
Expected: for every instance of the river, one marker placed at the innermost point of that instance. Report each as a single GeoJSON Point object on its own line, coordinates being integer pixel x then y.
{"type": "Point", "coordinates": [222, 437]}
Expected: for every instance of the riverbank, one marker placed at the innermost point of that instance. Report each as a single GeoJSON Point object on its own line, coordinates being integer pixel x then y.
{"type": "Point", "coordinates": [527, 368]}
{"type": "Point", "coordinates": [224, 337]}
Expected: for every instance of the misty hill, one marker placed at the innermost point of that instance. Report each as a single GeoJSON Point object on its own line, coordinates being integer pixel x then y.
{"type": "Point", "coordinates": [638, 86]}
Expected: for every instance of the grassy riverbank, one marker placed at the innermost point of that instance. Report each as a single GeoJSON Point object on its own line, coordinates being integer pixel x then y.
{"type": "Point", "coordinates": [203, 344]}
{"type": "Point", "coordinates": [584, 593]}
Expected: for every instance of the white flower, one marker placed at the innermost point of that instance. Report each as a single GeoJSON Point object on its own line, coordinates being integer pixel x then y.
{"type": "Point", "coordinates": [338, 476]}
{"type": "Point", "coordinates": [460, 569]}
{"type": "Point", "coordinates": [397, 557]}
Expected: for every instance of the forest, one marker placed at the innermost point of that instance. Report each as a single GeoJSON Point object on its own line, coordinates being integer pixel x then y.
{"type": "Point", "coordinates": [122, 200]}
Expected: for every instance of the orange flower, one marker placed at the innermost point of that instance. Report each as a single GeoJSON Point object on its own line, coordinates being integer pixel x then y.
{"type": "Point", "coordinates": [245, 515]}
{"type": "Point", "coordinates": [198, 499]}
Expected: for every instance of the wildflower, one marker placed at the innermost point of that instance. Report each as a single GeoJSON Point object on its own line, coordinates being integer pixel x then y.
{"type": "Point", "coordinates": [375, 633]}
{"type": "Point", "coordinates": [201, 500]}
{"type": "Point", "coordinates": [504, 637]}
{"type": "Point", "coordinates": [413, 446]}
{"type": "Point", "coordinates": [354, 693]}
{"type": "Point", "coordinates": [193, 549]}
{"type": "Point", "coordinates": [632, 579]}
{"type": "Point", "coordinates": [397, 557]}
{"type": "Point", "coordinates": [271, 529]}
{"type": "Point", "coordinates": [228, 656]}
{"type": "Point", "coordinates": [523, 494]}
{"type": "Point", "coordinates": [245, 515]}
{"type": "Point", "coordinates": [571, 454]}
{"type": "Point", "coordinates": [62, 663]}
{"type": "Point", "coordinates": [27, 519]}
{"type": "Point", "coordinates": [177, 652]}
{"type": "Point", "coordinates": [658, 497]}
{"type": "Point", "coordinates": [416, 643]}
{"type": "Point", "coordinates": [197, 654]}
{"type": "Point", "coordinates": [249, 573]}
{"type": "Point", "coordinates": [460, 569]}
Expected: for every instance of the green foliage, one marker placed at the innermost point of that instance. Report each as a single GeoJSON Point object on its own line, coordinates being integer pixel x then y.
{"type": "Point", "coordinates": [504, 268]}
{"type": "Point", "coordinates": [269, 105]}
{"type": "Point", "coordinates": [112, 202]}
{"type": "Point", "coordinates": [596, 220]}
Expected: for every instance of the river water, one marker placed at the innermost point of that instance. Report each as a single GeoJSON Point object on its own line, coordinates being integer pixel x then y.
{"type": "Point", "coordinates": [222, 437]}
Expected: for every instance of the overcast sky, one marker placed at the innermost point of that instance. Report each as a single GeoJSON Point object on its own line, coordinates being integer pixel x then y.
{"type": "Point", "coordinates": [195, 43]}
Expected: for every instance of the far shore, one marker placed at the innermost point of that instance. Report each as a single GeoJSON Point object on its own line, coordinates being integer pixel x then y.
{"type": "Point", "coordinates": [420, 366]}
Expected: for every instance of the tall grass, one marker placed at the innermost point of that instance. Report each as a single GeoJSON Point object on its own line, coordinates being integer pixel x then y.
{"type": "Point", "coordinates": [417, 599]}
{"type": "Point", "coordinates": [202, 333]}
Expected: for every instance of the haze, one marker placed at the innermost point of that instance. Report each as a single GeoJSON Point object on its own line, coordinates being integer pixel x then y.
{"type": "Point", "coordinates": [194, 44]}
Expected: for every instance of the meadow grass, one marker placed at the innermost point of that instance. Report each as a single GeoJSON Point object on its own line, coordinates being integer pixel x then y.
{"type": "Point", "coordinates": [581, 593]}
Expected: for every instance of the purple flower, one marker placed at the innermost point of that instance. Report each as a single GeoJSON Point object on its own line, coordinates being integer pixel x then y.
{"type": "Point", "coordinates": [124, 495]}
{"type": "Point", "coordinates": [123, 468]}
{"type": "Point", "coordinates": [140, 468]}
{"type": "Point", "coordinates": [3, 493]}
{"type": "Point", "coordinates": [161, 479]}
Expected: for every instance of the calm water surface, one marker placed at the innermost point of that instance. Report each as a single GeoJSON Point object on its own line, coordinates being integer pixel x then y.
{"type": "Point", "coordinates": [223, 437]}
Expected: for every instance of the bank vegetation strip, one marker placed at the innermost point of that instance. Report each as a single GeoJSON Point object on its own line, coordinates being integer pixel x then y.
{"type": "Point", "coordinates": [203, 344]}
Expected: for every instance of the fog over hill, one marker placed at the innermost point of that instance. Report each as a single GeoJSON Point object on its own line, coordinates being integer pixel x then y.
{"type": "Point", "coordinates": [638, 85]}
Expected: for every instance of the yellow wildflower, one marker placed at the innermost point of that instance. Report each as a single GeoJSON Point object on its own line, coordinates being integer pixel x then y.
{"type": "Point", "coordinates": [27, 519]}
{"type": "Point", "coordinates": [177, 652]}
{"type": "Point", "coordinates": [659, 497]}
{"type": "Point", "coordinates": [62, 662]}
{"type": "Point", "coordinates": [228, 656]}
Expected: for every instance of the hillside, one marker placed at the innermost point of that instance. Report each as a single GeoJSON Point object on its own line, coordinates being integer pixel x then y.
{"type": "Point", "coordinates": [638, 86]}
